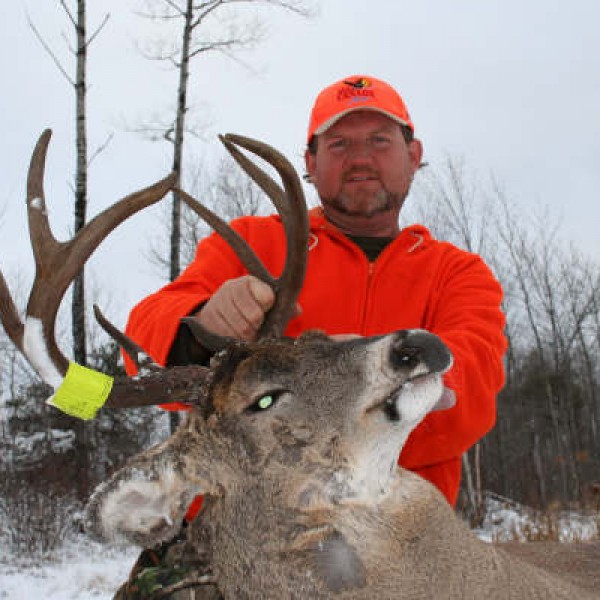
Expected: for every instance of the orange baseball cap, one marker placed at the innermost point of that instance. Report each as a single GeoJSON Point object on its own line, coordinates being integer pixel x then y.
{"type": "Point", "coordinates": [358, 92]}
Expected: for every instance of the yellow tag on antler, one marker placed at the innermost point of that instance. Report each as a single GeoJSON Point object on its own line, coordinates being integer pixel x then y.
{"type": "Point", "coordinates": [82, 393]}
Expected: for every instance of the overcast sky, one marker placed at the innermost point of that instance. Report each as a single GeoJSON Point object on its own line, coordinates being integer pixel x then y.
{"type": "Point", "coordinates": [511, 86]}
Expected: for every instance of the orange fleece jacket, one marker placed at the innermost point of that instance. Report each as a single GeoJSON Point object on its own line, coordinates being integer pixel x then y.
{"type": "Point", "coordinates": [416, 282]}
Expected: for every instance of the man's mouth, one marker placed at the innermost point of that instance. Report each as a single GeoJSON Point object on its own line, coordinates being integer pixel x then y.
{"type": "Point", "coordinates": [359, 178]}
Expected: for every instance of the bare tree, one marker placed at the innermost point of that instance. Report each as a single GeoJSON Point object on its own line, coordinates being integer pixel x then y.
{"type": "Point", "coordinates": [451, 201]}
{"type": "Point", "coordinates": [455, 205]}
{"type": "Point", "coordinates": [76, 16]}
{"type": "Point", "coordinates": [544, 446]}
{"type": "Point", "coordinates": [206, 26]}
{"type": "Point", "coordinates": [77, 20]}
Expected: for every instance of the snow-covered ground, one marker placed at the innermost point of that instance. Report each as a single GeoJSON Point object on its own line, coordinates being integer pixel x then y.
{"type": "Point", "coordinates": [81, 570]}
{"type": "Point", "coordinates": [506, 520]}
{"type": "Point", "coordinates": [85, 570]}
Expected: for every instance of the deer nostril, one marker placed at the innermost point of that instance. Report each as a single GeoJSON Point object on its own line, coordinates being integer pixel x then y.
{"type": "Point", "coordinates": [405, 357]}
{"type": "Point", "coordinates": [412, 347]}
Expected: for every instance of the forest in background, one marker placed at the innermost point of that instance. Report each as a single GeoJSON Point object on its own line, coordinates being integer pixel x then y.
{"type": "Point", "coordinates": [544, 450]}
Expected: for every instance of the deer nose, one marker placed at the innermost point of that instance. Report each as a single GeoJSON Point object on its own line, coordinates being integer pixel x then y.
{"type": "Point", "coordinates": [413, 347]}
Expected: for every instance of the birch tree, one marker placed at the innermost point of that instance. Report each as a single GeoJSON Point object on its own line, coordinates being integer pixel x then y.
{"type": "Point", "coordinates": [205, 27]}
{"type": "Point", "coordinates": [77, 19]}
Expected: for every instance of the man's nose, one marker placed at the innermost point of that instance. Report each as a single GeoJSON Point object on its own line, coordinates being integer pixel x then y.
{"type": "Point", "coordinates": [360, 150]}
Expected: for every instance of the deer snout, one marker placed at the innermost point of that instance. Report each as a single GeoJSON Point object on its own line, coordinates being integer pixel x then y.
{"type": "Point", "coordinates": [419, 350]}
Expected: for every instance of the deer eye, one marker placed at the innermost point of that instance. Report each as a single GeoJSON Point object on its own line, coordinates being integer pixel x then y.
{"type": "Point", "coordinates": [264, 402]}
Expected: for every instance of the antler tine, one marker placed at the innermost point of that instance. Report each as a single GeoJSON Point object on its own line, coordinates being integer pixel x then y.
{"type": "Point", "coordinates": [291, 206]}
{"type": "Point", "coordinates": [138, 355]}
{"type": "Point", "coordinates": [248, 258]}
{"type": "Point", "coordinates": [294, 216]}
{"type": "Point", "coordinates": [57, 264]}
{"type": "Point", "coordinates": [9, 317]}
{"type": "Point", "coordinates": [88, 238]}
{"type": "Point", "coordinates": [154, 384]}
{"type": "Point", "coordinates": [270, 187]}
{"type": "Point", "coordinates": [237, 243]}
{"type": "Point", "coordinates": [39, 228]}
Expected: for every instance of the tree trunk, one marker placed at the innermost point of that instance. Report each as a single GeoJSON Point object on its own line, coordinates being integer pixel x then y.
{"type": "Point", "coordinates": [175, 266]}
{"type": "Point", "coordinates": [178, 141]}
{"type": "Point", "coordinates": [78, 299]}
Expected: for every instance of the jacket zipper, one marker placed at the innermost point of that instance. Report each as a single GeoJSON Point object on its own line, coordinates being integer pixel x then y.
{"type": "Point", "coordinates": [370, 272]}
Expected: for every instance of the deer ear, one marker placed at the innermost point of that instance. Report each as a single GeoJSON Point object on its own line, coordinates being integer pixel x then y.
{"type": "Point", "coordinates": [145, 502]}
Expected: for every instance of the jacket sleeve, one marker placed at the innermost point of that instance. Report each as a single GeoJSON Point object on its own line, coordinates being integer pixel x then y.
{"type": "Point", "coordinates": [154, 322]}
{"type": "Point", "coordinates": [466, 314]}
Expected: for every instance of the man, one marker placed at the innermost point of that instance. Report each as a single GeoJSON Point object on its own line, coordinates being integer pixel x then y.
{"type": "Point", "coordinates": [365, 275]}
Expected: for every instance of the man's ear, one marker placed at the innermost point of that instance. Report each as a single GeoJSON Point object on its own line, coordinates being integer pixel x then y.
{"type": "Point", "coordinates": [415, 153]}
{"type": "Point", "coordinates": [310, 161]}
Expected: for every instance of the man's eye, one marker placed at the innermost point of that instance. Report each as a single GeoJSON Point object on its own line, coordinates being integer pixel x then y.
{"type": "Point", "coordinates": [337, 145]}
{"type": "Point", "coordinates": [264, 402]}
{"type": "Point", "coordinates": [380, 141]}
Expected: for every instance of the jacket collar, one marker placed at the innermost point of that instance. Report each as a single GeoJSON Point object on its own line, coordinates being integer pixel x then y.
{"type": "Point", "coordinates": [411, 236]}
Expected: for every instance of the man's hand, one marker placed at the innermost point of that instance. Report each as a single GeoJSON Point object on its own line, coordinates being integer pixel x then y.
{"type": "Point", "coordinates": [237, 309]}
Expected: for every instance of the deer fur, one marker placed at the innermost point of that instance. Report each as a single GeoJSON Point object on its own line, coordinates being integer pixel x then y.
{"type": "Point", "coordinates": [304, 498]}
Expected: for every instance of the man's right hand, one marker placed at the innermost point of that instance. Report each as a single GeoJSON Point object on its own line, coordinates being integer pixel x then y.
{"type": "Point", "coordinates": [237, 309]}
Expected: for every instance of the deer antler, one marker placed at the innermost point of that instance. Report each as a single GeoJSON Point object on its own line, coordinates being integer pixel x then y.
{"type": "Point", "coordinates": [57, 264]}
{"type": "Point", "coordinates": [291, 205]}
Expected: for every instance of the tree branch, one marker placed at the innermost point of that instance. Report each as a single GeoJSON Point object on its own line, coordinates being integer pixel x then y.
{"type": "Point", "coordinates": [207, 12]}
{"type": "Point", "coordinates": [71, 18]}
{"type": "Point", "coordinates": [153, 17]}
{"type": "Point", "coordinates": [98, 30]}
{"type": "Point", "coordinates": [170, 56]}
{"type": "Point", "coordinates": [49, 51]}
{"type": "Point", "coordinates": [168, 135]}
{"type": "Point", "coordinates": [68, 43]}
{"type": "Point", "coordinates": [214, 46]}
{"type": "Point", "coordinates": [174, 7]}
{"type": "Point", "coordinates": [240, 62]}
{"type": "Point", "coordinates": [295, 6]}
{"type": "Point", "coordinates": [101, 148]}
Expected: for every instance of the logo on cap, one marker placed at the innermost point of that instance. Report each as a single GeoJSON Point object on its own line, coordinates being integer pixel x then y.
{"type": "Point", "coordinates": [359, 83]}
{"type": "Point", "coordinates": [356, 90]}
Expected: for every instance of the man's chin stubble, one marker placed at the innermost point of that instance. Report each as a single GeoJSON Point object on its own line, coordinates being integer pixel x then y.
{"type": "Point", "coordinates": [342, 204]}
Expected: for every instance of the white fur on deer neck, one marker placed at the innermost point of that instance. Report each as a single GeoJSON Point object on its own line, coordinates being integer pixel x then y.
{"type": "Point", "coordinates": [373, 469]}
{"type": "Point", "coordinates": [36, 351]}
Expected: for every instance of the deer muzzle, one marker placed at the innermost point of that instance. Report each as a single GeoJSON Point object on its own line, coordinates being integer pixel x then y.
{"type": "Point", "coordinates": [413, 363]}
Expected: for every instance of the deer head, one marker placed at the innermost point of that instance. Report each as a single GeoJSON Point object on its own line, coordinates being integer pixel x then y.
{"type": "Point", "coordinates": [314, 420]}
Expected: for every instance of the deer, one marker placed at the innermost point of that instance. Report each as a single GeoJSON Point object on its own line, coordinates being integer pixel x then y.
{"type": "Point", "coordinates": [293, 442]}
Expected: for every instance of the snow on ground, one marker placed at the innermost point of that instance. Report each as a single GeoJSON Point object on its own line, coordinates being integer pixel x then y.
{"type": "Point", "coordinates": [81, 570]}
{"type": "Point", "coordinates": [506, 520]}
{"type": "Point", "coordinates": [85, 570]}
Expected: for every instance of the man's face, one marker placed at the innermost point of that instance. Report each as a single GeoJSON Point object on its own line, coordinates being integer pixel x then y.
{"type": "Point", "coordinates": [362, 170]}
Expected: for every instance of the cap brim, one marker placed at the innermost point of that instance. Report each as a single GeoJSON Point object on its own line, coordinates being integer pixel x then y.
{"type": "Point", "coordinates": [333, 120]}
